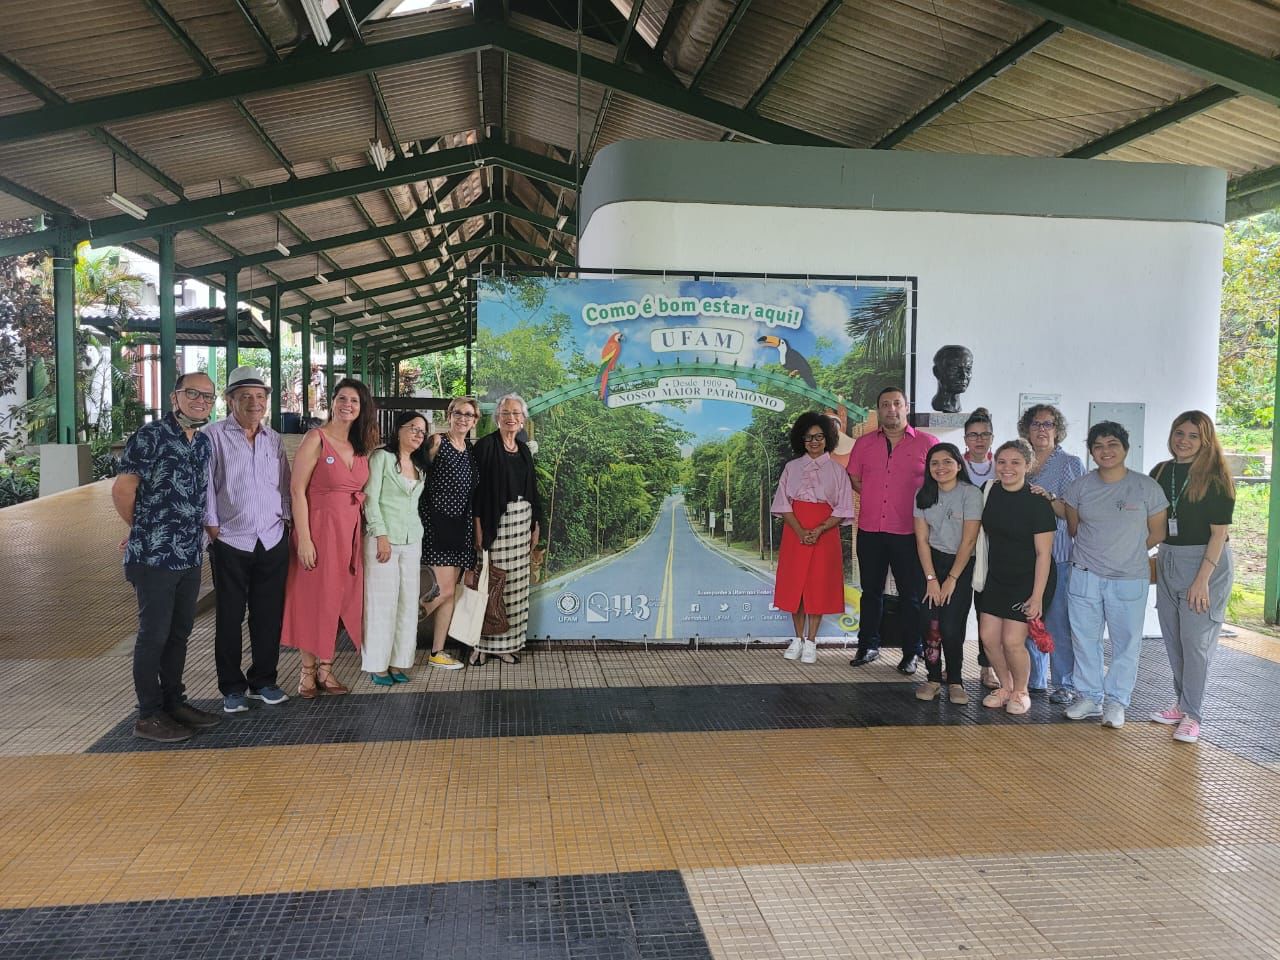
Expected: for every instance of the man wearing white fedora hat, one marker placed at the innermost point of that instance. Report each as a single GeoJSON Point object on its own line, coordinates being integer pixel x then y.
{"type": "Point", "coordinates": [246, 513]}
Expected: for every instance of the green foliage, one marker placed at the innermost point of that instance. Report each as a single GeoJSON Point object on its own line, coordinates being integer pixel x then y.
{"type": "Point", "coordinates": [290, 371]}
{"type": "Point", "coordinates": [442, 374]}
{"type": "Point", "coordinates": [19, 480]}
{"type": "Point", "coordinates": [1250, 301]}
{"type": "Point", "coordinates": [603, 474]}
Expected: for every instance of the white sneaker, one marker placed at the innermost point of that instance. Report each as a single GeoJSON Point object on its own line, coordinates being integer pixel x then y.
{"type": "Point", "coordinates": [1083, 709]}
{"type": "Point", "coordinates": [1113, 715]}
{"type": "Point", "coordinates": [793, 651]}
{"type": "Point", "coordinates": [810, 654]}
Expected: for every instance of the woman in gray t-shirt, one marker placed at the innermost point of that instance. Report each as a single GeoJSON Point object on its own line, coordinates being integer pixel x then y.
{"type": "Point", "coordinates": [948, 512]}
{"type": "Point", "coordinates": [1115, 515]}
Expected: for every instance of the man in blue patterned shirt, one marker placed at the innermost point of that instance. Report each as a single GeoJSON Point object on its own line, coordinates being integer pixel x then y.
{"type": "Point", "coordinates": [160, 493]}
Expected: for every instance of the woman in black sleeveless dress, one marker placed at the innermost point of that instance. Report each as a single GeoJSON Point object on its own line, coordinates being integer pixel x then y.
{"type": "Point", "coordinates": [448, 519]}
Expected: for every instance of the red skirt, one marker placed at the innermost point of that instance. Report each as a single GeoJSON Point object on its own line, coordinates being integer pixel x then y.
{"type": "Point", "coordinates": [810, 575]}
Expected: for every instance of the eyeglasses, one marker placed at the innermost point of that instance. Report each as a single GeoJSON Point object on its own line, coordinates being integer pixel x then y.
{"type": "Point", "coordinates": [191, 394]}
{"type": "Point", "coordinates": [517, 414]}
{"type": "Point", "coordinates": [975, 435]}
{"type": "Point", "coordinates": [463, 415]}
{"type": "Point", "coordinates": [1042, 425]}
{"type": "Point", "coordinates": [417, 432]}
{"type": "Point", "coordinates": [815, 438]}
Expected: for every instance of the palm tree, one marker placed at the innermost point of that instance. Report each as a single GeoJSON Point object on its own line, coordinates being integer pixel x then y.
{"type": "Point", "coordinates": [877, 358]}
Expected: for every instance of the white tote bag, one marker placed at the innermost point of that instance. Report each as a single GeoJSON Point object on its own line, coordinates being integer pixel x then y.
{"type": "Point", "coordinates": [981, 551]}
{"type": "Point", "coordinates": [468, 606]}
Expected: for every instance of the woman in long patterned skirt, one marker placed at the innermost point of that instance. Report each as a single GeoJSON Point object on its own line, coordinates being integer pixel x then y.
{"type": "Point", "coordinates": [508, 521]}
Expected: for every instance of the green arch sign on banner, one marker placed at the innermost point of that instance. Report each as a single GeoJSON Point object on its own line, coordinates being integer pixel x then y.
{"type": "Point", "coordinates": [640, 374]}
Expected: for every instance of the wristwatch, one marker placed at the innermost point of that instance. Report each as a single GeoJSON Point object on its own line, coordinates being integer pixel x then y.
{"type": "Point", "coordinates": [930, 577]}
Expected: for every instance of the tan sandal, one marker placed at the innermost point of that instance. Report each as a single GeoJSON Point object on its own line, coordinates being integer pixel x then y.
{"type": "Point", "coordinates": [328, 682]}
{"type": "Point", "coordinates": [307, 688]}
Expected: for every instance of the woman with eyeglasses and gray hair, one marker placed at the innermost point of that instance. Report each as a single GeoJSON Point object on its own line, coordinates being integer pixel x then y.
{"type": "Point", "coordinates": [448, 517]}
{"type": "Point", "coordinates": [508, 521]}
{"type": "Point", "coordinates": [1044, 427]}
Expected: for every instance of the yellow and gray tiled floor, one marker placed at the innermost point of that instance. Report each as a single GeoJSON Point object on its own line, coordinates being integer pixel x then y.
{"type": "Point", "coordinates": [602, 804]}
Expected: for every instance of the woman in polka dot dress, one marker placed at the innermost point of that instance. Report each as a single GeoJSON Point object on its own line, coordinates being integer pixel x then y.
{"type": "Point", "coordinates": [448, 518]}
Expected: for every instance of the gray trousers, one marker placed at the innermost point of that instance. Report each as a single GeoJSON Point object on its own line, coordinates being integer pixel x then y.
{"type": "Point", "coordinates": [1190, 638]}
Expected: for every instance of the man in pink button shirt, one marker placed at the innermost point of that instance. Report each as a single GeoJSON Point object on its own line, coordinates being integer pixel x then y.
{"type": "Point", "coordinates": [886, 469]}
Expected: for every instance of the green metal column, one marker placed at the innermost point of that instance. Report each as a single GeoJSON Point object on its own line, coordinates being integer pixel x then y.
{"type": "Point", "coordinates": [233, 321]}
{"type": "Point", "coordinates": [306, 365]}
{"type": "Point", "coordinates": [277, 377]}
{"type": "Point", "coordinates": [1271, 587]}
{"type": "Point", "coordinates": [64, 356]}
{"type": "Point", "coordinates": [117, 408]}
{"type": "Point", "coordinates": [329, 380]}
{"type": "Point", "coordinates": [364, 363]}
{"type": "Point", "coordinates": [395, 378]}
{"type": "Point", "coordinates": [349, 355]}
{"type": "Point", "coordinates": [213, 356]}
{"type": "Point", "coordinates": [168, 324]}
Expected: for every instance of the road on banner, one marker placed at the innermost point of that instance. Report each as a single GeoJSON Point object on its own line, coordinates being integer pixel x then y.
{"type": "Point", "coordinates": [669, 586]}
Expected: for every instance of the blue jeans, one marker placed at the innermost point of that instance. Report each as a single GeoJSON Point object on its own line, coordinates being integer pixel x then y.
{"type": "Point", "coordinates": [1062, 662]}
{"type": "Point", "coordinates": [1121, 606]}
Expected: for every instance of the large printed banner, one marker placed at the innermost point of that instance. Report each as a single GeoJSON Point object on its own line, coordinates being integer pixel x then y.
{"type": "Point", "coordinates": [660, 409]}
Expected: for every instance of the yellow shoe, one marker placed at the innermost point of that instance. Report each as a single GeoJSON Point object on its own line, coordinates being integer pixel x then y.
{"type": "Point", "coordinates": [444, 661]}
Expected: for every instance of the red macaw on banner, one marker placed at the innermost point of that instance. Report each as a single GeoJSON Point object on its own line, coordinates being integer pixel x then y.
{"type": "Point", "coordinates": [609, 354]}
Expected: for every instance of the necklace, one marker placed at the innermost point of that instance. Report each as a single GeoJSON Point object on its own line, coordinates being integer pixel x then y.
{"type": "Point", "coordinates": [976, 471]}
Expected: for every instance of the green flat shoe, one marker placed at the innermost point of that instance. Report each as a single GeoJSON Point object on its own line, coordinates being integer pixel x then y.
{"type": "Point", "coordinates": [398, 676]}
{"type": "Point", "coordinates": [381, 679]}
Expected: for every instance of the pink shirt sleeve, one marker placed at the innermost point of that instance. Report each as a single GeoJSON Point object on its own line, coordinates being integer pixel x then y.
{"type": "Point", "coordinates": [839, 493]}
{"type": "Point", "coordinates": [788, 487]}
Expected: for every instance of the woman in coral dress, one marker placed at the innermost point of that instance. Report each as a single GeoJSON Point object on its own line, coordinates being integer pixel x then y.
{"type": "Point", "coordinates": [326, 572]}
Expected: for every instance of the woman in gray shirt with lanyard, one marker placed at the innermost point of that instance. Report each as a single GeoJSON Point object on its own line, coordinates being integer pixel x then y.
{"type": "Point", "coordinates": [1193, 570]}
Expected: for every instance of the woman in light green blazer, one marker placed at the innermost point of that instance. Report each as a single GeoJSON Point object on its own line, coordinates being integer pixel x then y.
{"type": "Point", "coordinates": [393, 551]}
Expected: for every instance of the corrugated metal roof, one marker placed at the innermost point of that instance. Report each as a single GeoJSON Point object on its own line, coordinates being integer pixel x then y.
{"type": "Point", "coordinates": [1250, 24]}
{"type": "Point", "coordinates": [450, 107]}
{"type": "Point", "coordinates": [73, 169]}
{"type": "Point", "coordinates": [14, 99]}
{"type": "Point", "coordinates": [1240, 136]}
{"type": "Point", "coordinates": [632, 119]}
{"type": "Point", "coordinates": [766, 33]}
{"type": "Point", "coordinates": [872, 57]}
{"type": "Point", "coordinates": [198, 145]}
{"type": "Point", "coordinates": [221, 32]}
{"type": "Point", "coordinates": [416, 24]}
{"type": "Point", "coordinates": [318, 121]}
{"type": "Point", "coordinates": [541, 104]}
{"type": "Point", "coordinates": [89, 48]}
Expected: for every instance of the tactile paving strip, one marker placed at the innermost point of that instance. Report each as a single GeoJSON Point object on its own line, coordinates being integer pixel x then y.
{"type": "Point", "coordinates": [621, 916]}
{"type": "Point", "coordinates": [1243, 699]}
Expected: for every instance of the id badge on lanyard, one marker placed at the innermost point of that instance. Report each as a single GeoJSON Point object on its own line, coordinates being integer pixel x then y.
{"type": "Point", "coordinates": [1173, 526]}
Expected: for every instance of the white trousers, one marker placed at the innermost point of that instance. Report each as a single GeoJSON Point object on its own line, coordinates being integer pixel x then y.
{"type": "Point", "coordinates": [390, 606]}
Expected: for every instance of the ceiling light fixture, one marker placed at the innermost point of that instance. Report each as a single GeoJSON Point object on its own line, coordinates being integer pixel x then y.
{"type": "Point", "coordinates": [314, 9]}
{"type": "Point", "coordinates": [346, 294]}
{"type": "Point", "coordinates": [320, 277]}
{"type": "Point", "coordinates": [564, 218]}
{"type": "Point", "coordinates": [280, 248]}
{"type": "Point", "coordinates": [120, 202]}
{"type": "Point", "coordinates": [552, 257]}
{"type": "Point", "coordinates": [378, 154]}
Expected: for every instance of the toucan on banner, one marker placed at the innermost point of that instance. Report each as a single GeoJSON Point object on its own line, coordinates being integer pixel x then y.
{"type": "Point", "coordinates": [660, 409]}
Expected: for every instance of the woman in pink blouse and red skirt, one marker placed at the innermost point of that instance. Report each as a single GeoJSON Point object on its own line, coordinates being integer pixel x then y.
{"type": "Point", "coordinates": [813, 498]}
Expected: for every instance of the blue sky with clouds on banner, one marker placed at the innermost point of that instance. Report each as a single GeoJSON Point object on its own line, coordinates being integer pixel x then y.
{"type": "Point", "coordinates": [825, 307]}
